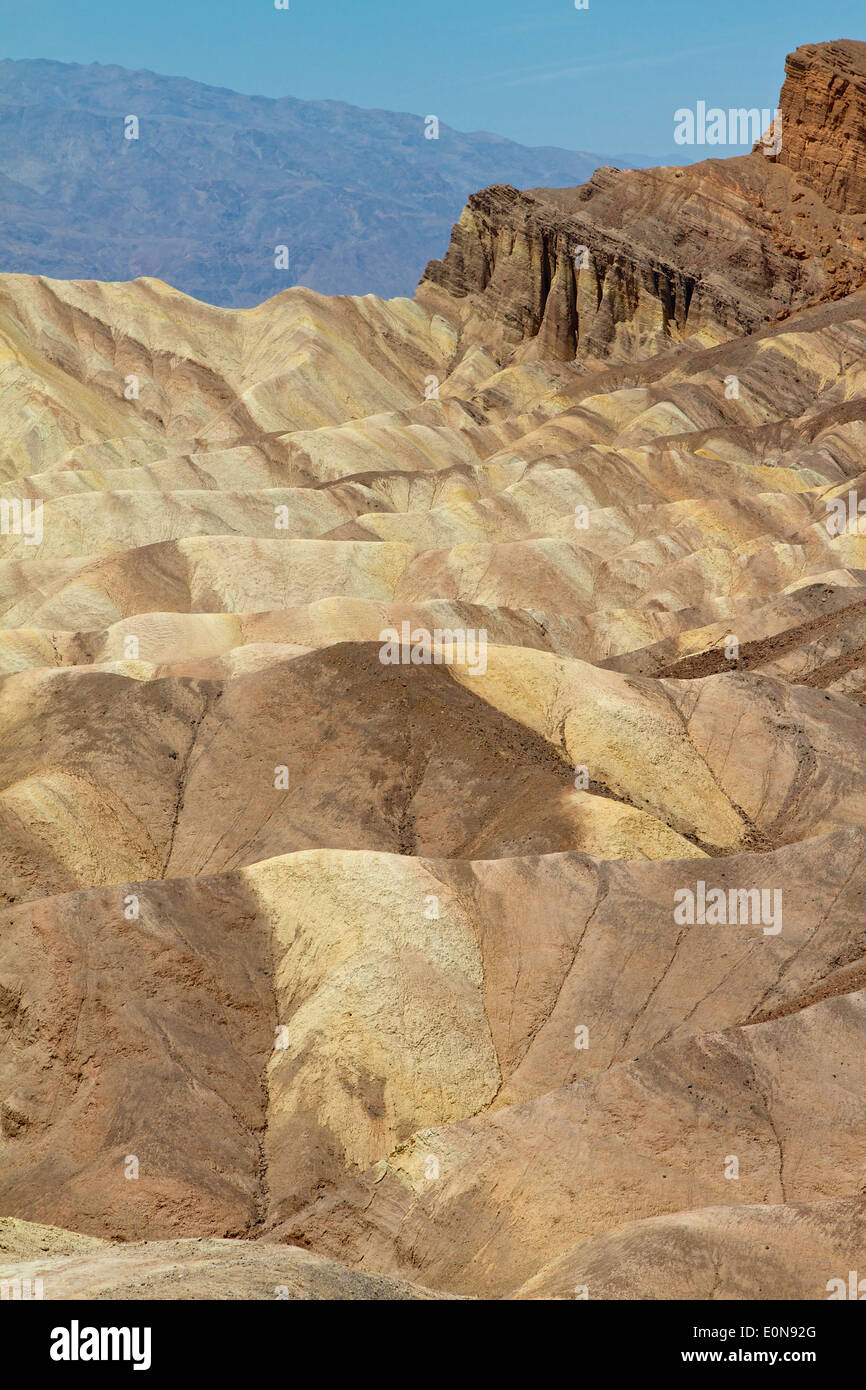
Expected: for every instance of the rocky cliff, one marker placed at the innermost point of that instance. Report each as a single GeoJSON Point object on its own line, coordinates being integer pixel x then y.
{"type": "Point", "coordinates": [637, 261]}
{"type": "Point", "coordinates": [824, 108]}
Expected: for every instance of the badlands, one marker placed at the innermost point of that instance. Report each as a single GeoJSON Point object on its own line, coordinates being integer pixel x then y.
{"type": "Point", "coordinates": [362, 979]}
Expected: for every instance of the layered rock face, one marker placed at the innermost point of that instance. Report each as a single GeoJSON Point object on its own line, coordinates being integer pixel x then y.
{"type": "Point", "coordinates": [517, 950]}
{"type": "Point", "coordinates": [824, 106]}
{"type": "Point", "coordinates": [634, 262]}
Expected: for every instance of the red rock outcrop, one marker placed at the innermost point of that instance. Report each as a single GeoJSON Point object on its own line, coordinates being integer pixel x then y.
{"type": "Point", "coordinates": [635, 261]}
{"type": "Point", "coordinates": [823, 106]}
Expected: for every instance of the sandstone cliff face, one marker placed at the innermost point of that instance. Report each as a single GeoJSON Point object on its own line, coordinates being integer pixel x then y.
{"type": "Point", "coordinates": [634, 262]}
{"type": "Point", "coordinates": [824, 110]}
{"type": "Point", "coordinates": [540, 281]}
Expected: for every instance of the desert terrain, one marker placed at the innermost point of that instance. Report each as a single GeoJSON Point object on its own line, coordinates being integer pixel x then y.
{"type": "Point", "coordinates": [324, 976]}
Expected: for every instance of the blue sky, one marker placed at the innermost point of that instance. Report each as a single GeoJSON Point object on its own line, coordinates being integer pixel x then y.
{"type": "Point", "coordinates": [605, 79]}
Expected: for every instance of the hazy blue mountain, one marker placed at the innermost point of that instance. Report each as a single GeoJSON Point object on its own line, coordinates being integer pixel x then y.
{"type": "Point", "coordinates": [216, 181]}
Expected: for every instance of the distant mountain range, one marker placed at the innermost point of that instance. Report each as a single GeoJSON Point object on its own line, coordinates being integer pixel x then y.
{"type": "Point", "coordinates": [216, 181]}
